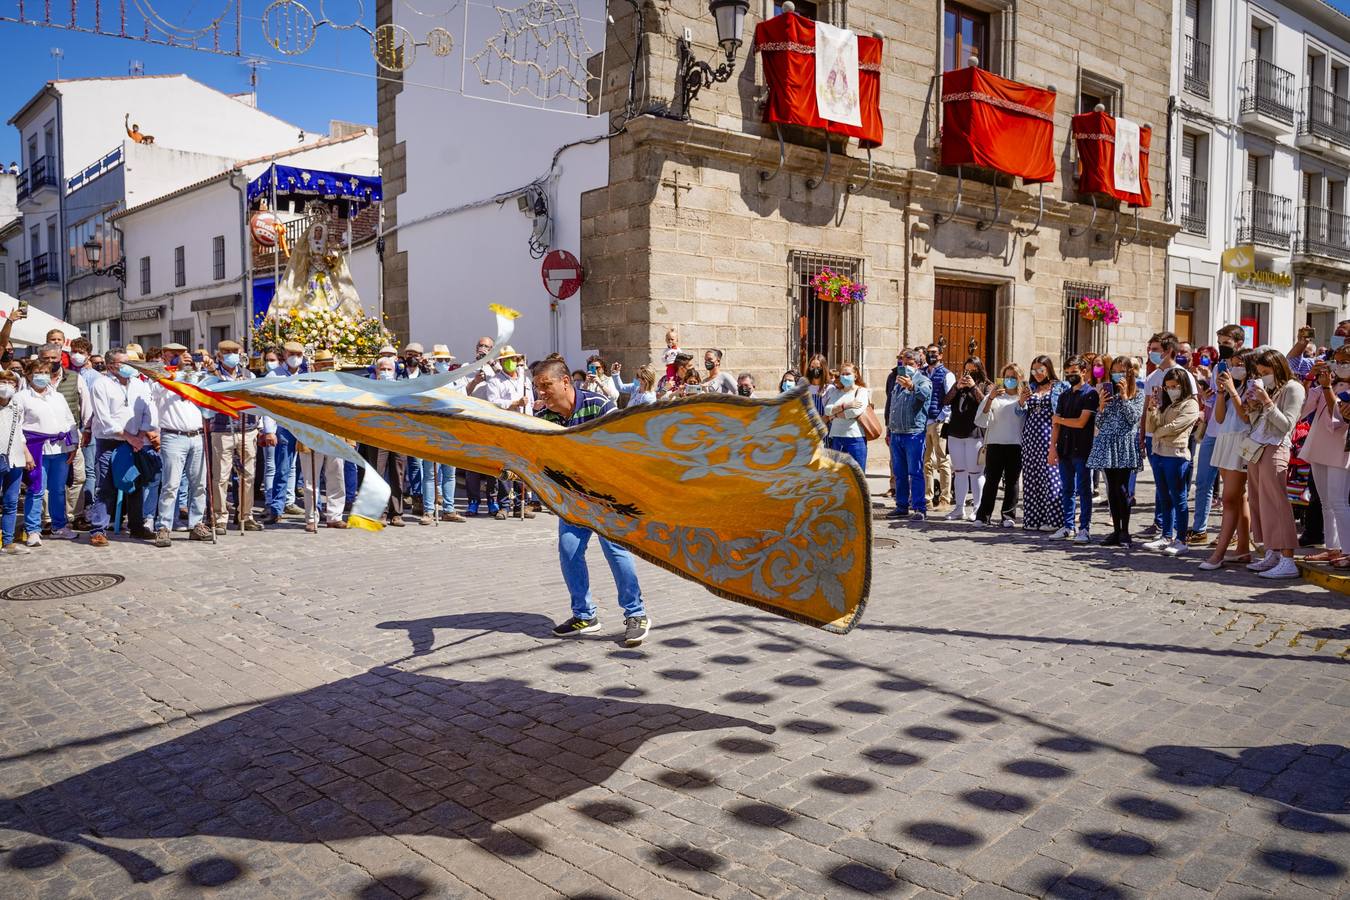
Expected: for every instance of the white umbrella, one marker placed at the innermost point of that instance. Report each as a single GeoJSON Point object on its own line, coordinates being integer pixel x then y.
{"type": "Point", "coordinates": [32, 330]}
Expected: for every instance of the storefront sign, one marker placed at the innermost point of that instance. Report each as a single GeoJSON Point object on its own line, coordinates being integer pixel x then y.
{"type": "Point", "coordinates": [1239, 260]}
{"type": "Point", "coordinates": [136, 315]}
{"type": "Point", "coordinates": [1266, 279]}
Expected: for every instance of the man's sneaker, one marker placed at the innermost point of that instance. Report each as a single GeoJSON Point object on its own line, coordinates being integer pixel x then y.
{"type": "Point", "coordinates": [499, 514]}
{"type": "Point", "coordinates": [200, 532]}
{"type": "Point", "coordinates": [1151, 531]}
{"type": "Point", "coordinates": [1270, 560]}
{"type": "Point", "coordinates": [970, 516]}
{"type": "Point", "coordinates": [1285, 568]}
{"type": "Point", "coordinates": [270, 519]}
{"type": "Point", "coordinates": [918, 516]}
{"type": "Point", "coordinates": [82, 523]}
{"type": "Point", "coordinates": [898, 513]}
{"type": "Point", "coordinates": [396, 521]}
{"type": "Point", "coordinates": [1008, 522]}
{"type": "Point", "coordinates": [1197, 539]}
{"type": "Point", "coordinates": [635, 630]}
{"type": "Point", "coordinates": [252, 525]}
{"type": "Point", "coordinates": [473, 508]}
{"type": "Point", "coordinates": [452, 516]}
{"type": "Point", "coordinates": [1176, 548]}
{"type": "Point", "coordinates": [1062, 535]}
{"type": "Point", "coordinates": [493, 509]}
{"type": "Point", "coordinates": [574, 626]}
{"type": "Point", "coordinates": [1081, 537]}
{"type": "Point", "coordinates": [293, 510]}
{"type": "Point", "coordinates": [1157, 544]}
{"type": "Point", "coordinates": [162, 538]}
{"type": "Point", "coordinates": [955, 515]}
{"type": "Point", "coordinates": [425, 520]}
{"type": "Point", "coordinates": [65, 534]}
{"type": "Point", "coordinates": [33, 540]}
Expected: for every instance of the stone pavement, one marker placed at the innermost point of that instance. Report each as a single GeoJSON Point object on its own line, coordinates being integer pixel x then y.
{"type": "Point", "coordinates": [362, 716]}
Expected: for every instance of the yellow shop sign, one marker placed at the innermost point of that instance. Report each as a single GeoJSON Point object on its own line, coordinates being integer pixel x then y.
{"type": "Point", "coordinates": [1239, 260]}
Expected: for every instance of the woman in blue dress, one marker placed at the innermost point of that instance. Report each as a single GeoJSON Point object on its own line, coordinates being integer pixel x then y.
{"type": "Point", "coordinates": [1115, 449]}
{"type": "Point", "coordinates": [1042, 509]}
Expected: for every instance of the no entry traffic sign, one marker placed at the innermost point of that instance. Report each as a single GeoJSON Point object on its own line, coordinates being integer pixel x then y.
{"type": "Point", "coordinates": [562, 274]}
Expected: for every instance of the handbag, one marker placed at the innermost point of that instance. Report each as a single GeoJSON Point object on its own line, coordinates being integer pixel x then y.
{"type": "Point", "coordinates": [1250, 451]}
{"type": "Point", "coordinates": [870, 423]}
{"type": "Point", "coordinates": [981, 455]}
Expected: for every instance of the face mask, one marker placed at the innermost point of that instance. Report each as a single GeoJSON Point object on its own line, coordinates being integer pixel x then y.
{"type": "Point", "coordinates": [1117, 377]}
{"type": "Point", "coordinates": [846, 381]}
{"type": "Point", "coordinates": [709, 364]}
{"type": "Point", "coordinates": [1226, 351]}
{"type": "Point", "coordinates": [385, 375]}
{"type": "Point", "coordinates": [1183, 360]}
{"type": "Point", "coordinates": [1098, 372]}
{"type": "Point", "coordinates": [509, 366]}
{"type": "Point", "coordinates": [1337, 342]}
{"type": "Point", "coordinates": [126, 371]}
{"type": "Point", "coordinates": [743, 390]}
{"type": "Point", "coordinates": [294, 361]}
{"type": "Point", "coordinates": [230, 360]}
{"type": "Point", "coordinates": [442, 367]}
{"type": "Point", "coordinates": [1205, 361]}
{"type": "Point", "coordinates": [1174, 394]}
{"type": "Point", "coordinates": [1155, 357]}
{"type": "Point", "coordinates": [1010, 383]}
{"type": "Point", "coordinates": [787, 386]}
{"type": "Point", "coordinates": [100, 367]}
{"type": "Point", "coordinates": [41, 381]}
{"type": "Point", "coordinates": [78, 359]}
{"type": "Point", "coordinates": [6, 391]}
{"type": "Point", "coordinates": [1268, 381]}
{"type": "Point", "coordinates": [906, 372]}
{"type": "Point", "coordinates": [272, 365]}
{"type": "Point", "coordinates": [1073, 379]}
{"type": "Point", "coordinates": [1239, 373]}
{"type": "Point", "coordinates": [932, 359]}
{"type": "Point", "coordinates": [813, 373]}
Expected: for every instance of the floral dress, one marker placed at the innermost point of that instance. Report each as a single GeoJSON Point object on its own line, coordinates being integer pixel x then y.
{"type": "Point", "coordinates": [1041, 504]}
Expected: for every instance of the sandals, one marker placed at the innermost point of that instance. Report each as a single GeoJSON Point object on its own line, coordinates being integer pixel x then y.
{"type": "Point", "coordinates": [1342, 563]}
{"type": "Point", "coordinates": [1239, 559]}
{"type": "Point", "coordinates": [1326, 556]}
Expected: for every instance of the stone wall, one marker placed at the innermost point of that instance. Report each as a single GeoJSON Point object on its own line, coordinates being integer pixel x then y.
{"type": "Point", "coordinates": [394, 173]}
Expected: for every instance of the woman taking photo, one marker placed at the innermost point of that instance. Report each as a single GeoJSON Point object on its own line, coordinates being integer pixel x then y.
{"type": "Point", "coordinates": [818, 378]}
{"type": "Point", "coordinates": [1274, 399]}
{"type": "Point", "coordinates": [1174, 415]}
{"type": "Point", "coordinates": [1325, 451]}
{"type": "Point", "coordinates": [1001, 417]}
{"type": "Point", "coordinates": [1115, 449]}
{"type": "Point", "coordinates": [642, 389]}
{"type": "Point", "coordinates": [845, 400]}
{"type": "Point", "coordinates": [1230, 425]}
{"type": "Point", "coordinates": [1042, 503]}
{"type": "Point", "coordinates": [964, 438]}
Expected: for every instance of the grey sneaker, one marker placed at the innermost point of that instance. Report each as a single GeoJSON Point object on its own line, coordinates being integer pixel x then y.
{"type": "Point", "coordinates": [635, 630]}
{"type": "Point", "coordinates": [575, 626]}
{"type": "Point", "coordinates": [33, 539]}
{"type": "Point", "coordinates": [918, 516]}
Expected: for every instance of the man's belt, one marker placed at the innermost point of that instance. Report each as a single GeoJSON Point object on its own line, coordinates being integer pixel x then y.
{"type": "Point", "coordinates": [193, 433]}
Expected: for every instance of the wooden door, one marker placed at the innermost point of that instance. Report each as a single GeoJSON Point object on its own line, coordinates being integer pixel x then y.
{"type": "Point", "coordinates": [963, 322]}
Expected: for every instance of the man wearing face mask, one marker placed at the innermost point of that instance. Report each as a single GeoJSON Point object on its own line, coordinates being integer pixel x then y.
{"type": "Point", "coordinates": [281, 499]}
{"type": "Point", "coordinates": [1300, 363]}
{"type": "Point", "coordinates": [745, 384]}
{"type": "Point", "coordinates": [1162, 355]}
{"type": "Point", "coordinates": [81, 490]}
{"type": "Point", "coordinates": [235, 441]}
{"type": "Point", "coordinates": [509, 388]}
{"type": "Point", "coordinates": [123, 416]}
{"type": "Point", "coordinates": [181, 450]}
{"type": "Point", "coordinates": [907, 422]}
{"type": "Point", "coordinates": [937, 465]}
{"type": "Point", "coordinates": [393, 467]}
{"type": "Point", "coordinates": [717, 382]}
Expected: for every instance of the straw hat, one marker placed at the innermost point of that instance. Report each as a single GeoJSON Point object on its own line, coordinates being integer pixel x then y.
{"type": "Point", "coordinates": [135, 353]}
{"type": "Point", "coordinates": [509, 352]}
{"type": "Point", "coordinates": [441, 351]}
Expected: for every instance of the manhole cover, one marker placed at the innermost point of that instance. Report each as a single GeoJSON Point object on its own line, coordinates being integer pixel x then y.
{"type": "Point", "coordinates": [60, 588]}
{"type": "Point", "coordinates": [885, 542]}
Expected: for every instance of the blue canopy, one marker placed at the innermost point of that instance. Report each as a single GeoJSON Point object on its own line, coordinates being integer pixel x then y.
{"type": "Point", "coordinates": [293, 180]}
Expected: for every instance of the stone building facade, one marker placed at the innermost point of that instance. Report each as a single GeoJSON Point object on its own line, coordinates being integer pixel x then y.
{"type": "Point", "coordinates": [696, 230]}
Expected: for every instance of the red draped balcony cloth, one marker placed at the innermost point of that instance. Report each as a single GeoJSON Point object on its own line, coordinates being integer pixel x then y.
{"type": "Point", "coordinates": [998, 124]}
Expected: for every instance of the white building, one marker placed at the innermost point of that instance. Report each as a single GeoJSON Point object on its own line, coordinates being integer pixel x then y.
{"type": "Point", "coordinates": [446, 149]}
{"type": "Point", "coordinates": [79, 164]}
{"type": "Point", "coordinates": [11, 235]}
{"type": "Point", "coordinates": [1261, 157]}
{"type": "Point", "coordinates": [185, 250]}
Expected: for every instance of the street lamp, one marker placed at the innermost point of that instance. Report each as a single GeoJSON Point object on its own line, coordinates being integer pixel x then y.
{"type": "Point", "coordinates": [692, 75]}
{"type": "Point", "coordinates": [93, 251]}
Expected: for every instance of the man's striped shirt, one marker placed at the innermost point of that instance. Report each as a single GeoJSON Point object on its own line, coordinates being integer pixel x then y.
{"type": "Point", "coordinates": [588, 407]}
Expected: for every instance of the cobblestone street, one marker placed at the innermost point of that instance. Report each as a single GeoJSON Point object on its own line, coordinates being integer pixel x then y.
{"type": "Point", "coordinates": [363, 716]}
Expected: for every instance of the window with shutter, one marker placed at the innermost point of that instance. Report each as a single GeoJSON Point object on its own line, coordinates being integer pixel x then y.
{"type": "Point", "coordinates": [1192, 17]}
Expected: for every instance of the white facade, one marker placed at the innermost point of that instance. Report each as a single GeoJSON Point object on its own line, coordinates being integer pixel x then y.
{"type": "Point", "coordinates": [79, 165]}
{"type": "Point", "coordinates": [1260, 157]}
{"type": "Point", "coordinates": [462, 149]}
{"type": "Point", "coordinates": [11, 236]}
{"type": "Point", "coordinates": [185, 266]}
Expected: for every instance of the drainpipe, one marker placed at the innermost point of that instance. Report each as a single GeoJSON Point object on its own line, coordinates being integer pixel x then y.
{"type": "Point", "coordinates": [61, 214]}
{"type": "Point", "coordinates": [245, 263]}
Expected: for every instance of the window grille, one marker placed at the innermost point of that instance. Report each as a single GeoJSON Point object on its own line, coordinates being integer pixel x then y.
{"type": "Point", "coordinates": [820, 326]}
{"type": "Point", "coordinates": [1082, 335]}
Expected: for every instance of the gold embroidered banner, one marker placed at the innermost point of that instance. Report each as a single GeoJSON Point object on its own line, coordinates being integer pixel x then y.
{"type": "Point", "coordinates": [739, 495]}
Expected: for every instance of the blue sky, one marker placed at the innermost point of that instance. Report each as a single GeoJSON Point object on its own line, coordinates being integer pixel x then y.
{"type": "Point", "coordinates": [305, 96]}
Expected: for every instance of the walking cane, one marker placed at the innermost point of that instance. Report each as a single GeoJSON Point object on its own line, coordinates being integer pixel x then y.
{"type": "Point", "coordinates": [313, 487]}
{"type": "Point", "coordinates": [436, 493]}
{"type": "Point", "coordinates": [235, 426]}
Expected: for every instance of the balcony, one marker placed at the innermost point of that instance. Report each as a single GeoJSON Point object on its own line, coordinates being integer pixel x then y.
{"type": "Point", "coordinates": [1195, 66]}
{"type": "Point", "coordinates": [1267, 97]}
{"type": "Point", "coordinates": [1194, 205]}
{"type": "Point", "coordinates": [41, 174]}
{"type": "Point", "coordinates": [1323, 239]}
{"type": "Point", "coordinates": [44, 268]}
{"type": "Point", "coordinates": [1265, 219]}
{"type": "Point", "coordinates": [1324, 124]}
{"type": "Point", "coordinates": [364, 226]}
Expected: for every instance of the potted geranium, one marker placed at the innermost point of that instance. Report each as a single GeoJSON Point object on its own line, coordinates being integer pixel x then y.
{"type": "Point", "coordinates": [1098, 309]}
{"type": "Point", "coordinates": [832, 287]}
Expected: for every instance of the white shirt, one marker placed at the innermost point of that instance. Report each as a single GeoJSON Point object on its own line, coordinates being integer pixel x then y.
{"type": "Point", "coordinates": [121, 409]}
{"type": "Point", "coordinates": [11, 429]}
{"type": "Point", "coordinates": [175, 412]}
{"type": "Point", "coordinates": [1155, 379]}
{"type": "Point", "coordinates": [1002, 423]}
{"type": "Point", "coordinates": [502, 390]}
{"type": "Point", "coordinates": [839, 400]}
{"type": "Point", "coordinates": [48, 413]}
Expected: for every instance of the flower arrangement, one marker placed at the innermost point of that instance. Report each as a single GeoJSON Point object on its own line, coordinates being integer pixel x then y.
{"type": "Point", "coordinates": [832, 287]}
{"type": "Point", "coordinates": [1098, 309]}
{"type": "Point", "coordinates": [352, 339]}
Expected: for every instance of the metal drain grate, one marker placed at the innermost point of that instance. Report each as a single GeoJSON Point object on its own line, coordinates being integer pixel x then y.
{"type": "Point", "coordinates": [61, 587]}
{"type": "Point", "coordinates": [885, 542]}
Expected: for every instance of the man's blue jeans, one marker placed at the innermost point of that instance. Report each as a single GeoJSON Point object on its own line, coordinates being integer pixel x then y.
{"type": "Point", "coordinates": [55, 470]}
{"type": "Point", "coordinates": [183, 457]}
{"type": "Point", "coordinates": [907, 467]}
{"type": "Point", "coordinates": [269, 457]}
{"type": "Point", "coordinates": [1205, 476]}
{"type": "Point", "coordinates": [446, 475]}
{"type": "Point", "coordinates": [1077, 480]}
{"type": "Point", "coordinates": [105, 501]}
{"type": "Point", "coordinates": [1171, 473]}
{"type": "Point", "coordinates": [283, 482]}
{"type": "Point", "coordinates": [572, 541]}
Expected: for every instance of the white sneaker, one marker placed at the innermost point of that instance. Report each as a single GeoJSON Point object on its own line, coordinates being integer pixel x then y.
{"type": "Point", "coordinates": [1176, 548]}
{"type": "Point", "coordinates": [1081, 537]}
{"type": "Point", "coordinates": [65, 534]}
{"type": "Point", "coordinates": [970, 516]}
{"type": "Point", "coordinates": [1008, 522]}
{"type": "Point", "coordinates": [1158, 544]}
{"type": "Point", "coordinates": [1062, 535]}
{"type": "Point", "coordinates": [34, 540]}
{"type": "Point", "coordinates": [1269, 561]}
{"type": "Point", "coordinates": [955, 515]}
{"type": "Point", "coordinates": [1285, 568]}
{"type": "Point", "coordinates": [1210, 566]}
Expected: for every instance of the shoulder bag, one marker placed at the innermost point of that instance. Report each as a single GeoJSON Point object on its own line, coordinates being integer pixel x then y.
{"type": "Point", "coordinates": [870, 423]}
